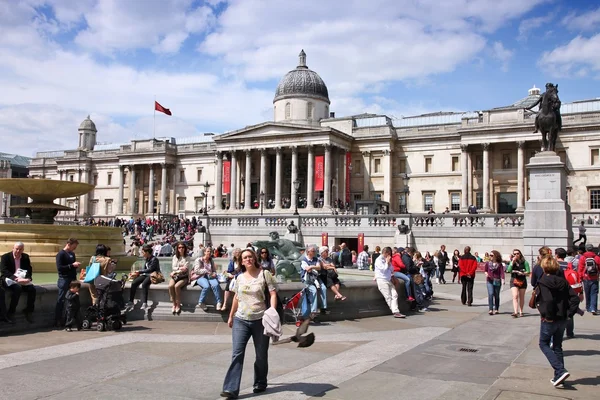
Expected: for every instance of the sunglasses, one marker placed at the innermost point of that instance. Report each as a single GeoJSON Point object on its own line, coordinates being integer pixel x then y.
{"type": "Point", "coordinates": [180, 247]}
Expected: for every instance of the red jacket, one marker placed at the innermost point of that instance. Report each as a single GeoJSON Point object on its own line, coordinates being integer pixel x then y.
{"type": "Point", "coordinates": [581, 266]}
{"type": "Point", "coordinates": [467, 265]}
{"type": "Point", "coordinates": [397, 263]}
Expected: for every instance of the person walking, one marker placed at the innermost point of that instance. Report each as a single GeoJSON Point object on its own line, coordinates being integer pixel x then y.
{"type": "Point", "coordinates": [587, 268]}
{"type": "Point", "coordinates": [467, 267]}
{"type": "Point", "coordinates": [519, 270]}
{"type": "Point", "coordinates": [66, 265]}
{"type": "Point", "coordinates": [443, 260]}
{"type": "Point", "coordinates": [582, 234]}
{"type": "Point", "coordinates": [245, 319]}
{"type": "Point", "coordinates": [494, 273]}
{"type": "Point", "coordinates": [455, 259]}
{"type": "Point", "coordinates": [556, 302]}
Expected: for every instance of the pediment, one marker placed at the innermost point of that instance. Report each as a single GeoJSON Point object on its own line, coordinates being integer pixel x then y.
{"type": "Point", "coordinates": [268, 130]}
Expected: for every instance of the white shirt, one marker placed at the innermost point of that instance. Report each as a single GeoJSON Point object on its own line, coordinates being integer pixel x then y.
{"type": "Point", "coordinates": [383, 270]}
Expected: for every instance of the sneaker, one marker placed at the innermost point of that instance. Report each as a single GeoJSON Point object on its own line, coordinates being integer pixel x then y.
{"type": "Point", "coordinates": [218, 307]}
{"type": "Point", "coordinates": [561, 379]}
{"type": "Point", "coordinates": [228, 395]}
{"type": "Point", "coordinates": [437, 281]}
{"type": "Point", "coordinates": [259, 389]}
{"type": "Point", "coordinates": [398, 315]}
{"type": "Point", "coordinates": [202, 306]}
{"type": "Point", "coordinates": [424, 309]}
{"type": "Point", "coordinates": [496, 311]}
{"type": "Point", "coordinates": [144, 306]}
{"type": "Point", "coordinates": [410, 298]}
{"type": "Point", "coordinates": [68, 330]}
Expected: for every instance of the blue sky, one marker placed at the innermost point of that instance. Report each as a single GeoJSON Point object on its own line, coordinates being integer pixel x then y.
{"type": "Point", "coordinates": [216, 64]}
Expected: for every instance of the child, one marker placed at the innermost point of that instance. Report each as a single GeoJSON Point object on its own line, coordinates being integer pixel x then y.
{"type": "Point", "coordinates": [72, 305]}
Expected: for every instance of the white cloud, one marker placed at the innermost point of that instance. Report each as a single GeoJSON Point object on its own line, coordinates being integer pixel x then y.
{"type": "Point", "coordinates": [588, 21]}
{"type": "Point", "coordinates": [502, 54]}
{"type": "Point", "coordinates": [526, 26]}
{"type": "Point", "coordinates": [576, 58]}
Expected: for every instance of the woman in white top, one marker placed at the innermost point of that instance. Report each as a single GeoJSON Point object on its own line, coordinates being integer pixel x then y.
{"type": "Point", "coordinates": [180, 276]}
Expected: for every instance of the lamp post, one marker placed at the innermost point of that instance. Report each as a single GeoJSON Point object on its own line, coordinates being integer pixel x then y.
{"type": "Point", "coordinates": [296, 188]}
{"type": "Point", "coordinates": [262, 202]}
{"type": "Point", "coordinates": [152, 194]}
{"type": "Point", "coordinates": [406, 190]}
{"type": "Point", "coordinates": [76, 208]}
{"type": "Point", "coordinates": [206, 187]}
{"type": "Point", "coordinates": [158, 209]}
{"type": "Point", "coordinates": [4, 201]}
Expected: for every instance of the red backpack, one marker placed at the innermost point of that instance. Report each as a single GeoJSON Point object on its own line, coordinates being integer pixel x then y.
{"type": "Point", "coordinates": [573, 278]}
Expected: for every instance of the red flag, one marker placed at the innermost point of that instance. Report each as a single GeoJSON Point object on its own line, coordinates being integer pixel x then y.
{"type": "Point", "coordinates": [161, 109]}
{"type": "Point", "coordinates": [226, 177]}
{"type": "Point", "coordinates": [319, 173]}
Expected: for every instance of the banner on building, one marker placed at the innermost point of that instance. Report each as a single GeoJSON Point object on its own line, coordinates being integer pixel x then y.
{"type": "Point", "coordinates": [319, 173]}
{"type": "Point", "coordinates": [324, 239]}
{"type": "Point", "coordinates": [348, 174]}
{"type": "Point", "coordinates": [226, 177]}
{"type": "Point", "coordinates": [361, 243]}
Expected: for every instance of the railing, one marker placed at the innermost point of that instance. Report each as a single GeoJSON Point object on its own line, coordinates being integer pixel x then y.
{"type": "Point", "coordinates": [587, 218]}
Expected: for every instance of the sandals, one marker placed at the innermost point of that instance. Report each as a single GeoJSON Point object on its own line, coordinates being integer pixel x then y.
{"type": "Point", "coordinates": [174, 310]}
{"type": "Point", "coordinates": [339, 298]}
{"type": "Point", "coordinates": [514, 315]}
{"type": "Point", "coordinates": [490, 312]}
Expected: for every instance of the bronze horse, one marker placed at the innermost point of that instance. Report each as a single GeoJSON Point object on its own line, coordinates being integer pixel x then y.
{"type": "Point", "coordinates": [547, 120]}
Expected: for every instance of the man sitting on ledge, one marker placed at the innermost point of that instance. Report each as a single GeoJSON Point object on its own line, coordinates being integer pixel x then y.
{"type": "Point", "coordinates": [15, 275]}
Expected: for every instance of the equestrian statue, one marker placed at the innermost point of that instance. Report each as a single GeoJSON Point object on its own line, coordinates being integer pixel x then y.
{"type": "Point", "coordinates": [548, 119]}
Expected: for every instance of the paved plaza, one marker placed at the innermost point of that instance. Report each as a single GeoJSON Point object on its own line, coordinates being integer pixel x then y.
{"type": "Point", "coordinates": [422, 357]}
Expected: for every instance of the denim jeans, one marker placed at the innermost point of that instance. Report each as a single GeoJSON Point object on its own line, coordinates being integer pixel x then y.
{"type": "Point", "coordinates": [406, 280]}
{"type": "Point", "coordinates": [205, 284]}
{"type": "Point", "coordinates": [590, 288]}
{"type": "Point", "coordinates": [309, 300]}
{"type": "Point", "coordinates": [571, 326]}
{"type": "Point", "coordinates": [493, 296]}
{"type": "Point", "coordinates": [241, 333]}
{"type": "Point", "coordinates": [553, 332]}
{"type": "Point", "coordinates": [63, 288]}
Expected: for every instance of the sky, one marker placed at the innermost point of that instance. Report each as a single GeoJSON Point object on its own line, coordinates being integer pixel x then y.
{"type": "Point", "coordinates": [216, 64]}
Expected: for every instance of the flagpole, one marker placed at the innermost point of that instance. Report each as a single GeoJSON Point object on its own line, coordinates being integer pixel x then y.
{"type": "Point", "coordinates": [154, 124]}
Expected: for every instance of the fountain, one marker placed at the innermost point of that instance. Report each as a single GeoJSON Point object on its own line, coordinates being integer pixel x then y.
{"type": "Point", "coordinates": [42, 236]}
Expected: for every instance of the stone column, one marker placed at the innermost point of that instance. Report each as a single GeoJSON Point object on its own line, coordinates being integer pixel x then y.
{"type": "Point", "coordinates": [387, 176]}
{"type": "Point", "coordinates": [219, 182]}
{"type": "Point", "coordinates": [247, 184]}
{"type": "Point", "coordinates": [278, 178]}
{"type": "Point", "coordinates": [486, 177]}
{"type": "Point", "coordinates": [294, 195]}
{"type": "Point", "coordinates": [465, 178]}
{"type": "Point", "coordinates": [163, 189]}
{"type": "Point", "coordinates": [151, 190]}
{"type": "Point", "coordinates": [233, 200]}
{"type": "Point", "coordinates": [121, 190]}
{"type": "Point", "coordinates": [520, 176]}
{"type": "Point", "coordinates": [263, 174]}
{"type": "Point", "coordinates": [131, 189]}
{"type": "Point", "coordinates": [310, 178]}
{"type": "Point", "coordinates": [327, 178]}
{"type": "Point", "coordinates": [366, 175]}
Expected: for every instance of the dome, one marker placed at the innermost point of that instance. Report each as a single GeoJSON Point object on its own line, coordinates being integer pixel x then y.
{"type": "Point", "coordinates": [88, 124]}
{"type": "Point", "coordinates": [301, 82]}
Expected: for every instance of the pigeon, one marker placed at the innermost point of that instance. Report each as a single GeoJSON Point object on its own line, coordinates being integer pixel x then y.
{"type": "Point", "coordinates": [300, 337]}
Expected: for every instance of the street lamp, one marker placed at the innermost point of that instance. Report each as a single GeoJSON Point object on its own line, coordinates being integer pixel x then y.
{"type": "Point", "coordinates": [296, 188]}
{"type": "Point", "coordinates": [4, 201]}
{"type": "Point", "coordinates": [158, 209]}
{"type": "Point", "coordinates": [76, 208]}
{"type": "Point", "coordinates": [262, 202]}
{"type": "Point", "coordinates": [406, 190]}
{"type": "Point", "coordinates": [206, 187]}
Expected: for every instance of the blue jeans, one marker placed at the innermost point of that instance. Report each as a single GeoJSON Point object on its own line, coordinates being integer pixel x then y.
{"type": "Point", "coordinates": [493, 296]}
{"type": "Point", "coordinates": [590, 288]}
{"type": "Point", "coordinates": [309, 299]}
{"type": "Point", "coordinates": [406, 280]}
{"type": "Point", "coordinates": [241, 333]}
{"type": "Point", "coordinates": [205, 284]}
{"type": "Point", "coordinates": [553, 332]}
{"type": "Point", "coordinates": [63, 288]}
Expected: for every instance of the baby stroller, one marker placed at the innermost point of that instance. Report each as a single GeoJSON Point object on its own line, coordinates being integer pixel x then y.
{"type": "Point", "coordinates": [106, 313]}
{"type": "Point", "coordinates": [293, 308]}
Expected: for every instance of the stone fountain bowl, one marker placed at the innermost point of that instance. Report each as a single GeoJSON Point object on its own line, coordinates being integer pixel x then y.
{"type": "Point", "coordinates": [43, 190]}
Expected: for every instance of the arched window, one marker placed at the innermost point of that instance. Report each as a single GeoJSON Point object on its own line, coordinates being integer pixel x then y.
{"type": "Point", "coordinates": [309, 110]}
{"type": "Point", "coordinates": [288, 110]}
{"type": "Point", "coordinates": [326, 111]}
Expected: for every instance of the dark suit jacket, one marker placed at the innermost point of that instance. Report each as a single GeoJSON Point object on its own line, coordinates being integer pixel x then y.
{"type": "Point", "coordinates": [8, 269]}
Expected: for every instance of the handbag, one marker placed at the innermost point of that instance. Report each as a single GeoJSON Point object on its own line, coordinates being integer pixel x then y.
{"type": "Point", "coordinates": [92, 271]}
{"type": "Point", "coordinates": [518, 283]}
{"type": "Point", "coordinates": [267, 294]}
{"type": "Point", "coordinates": [157, 277]}
{"type": "Point", "coordinates": [180, 277]}
{"type": "Point", "coordinates": [497, 282]}
{"type": "Point", "coordinates": [533, 298]}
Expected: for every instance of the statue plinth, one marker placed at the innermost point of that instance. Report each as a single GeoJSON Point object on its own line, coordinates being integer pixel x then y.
{"type": "Point", "coordinates": [547, 213]}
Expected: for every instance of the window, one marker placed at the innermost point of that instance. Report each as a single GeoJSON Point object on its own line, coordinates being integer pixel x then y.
{"type": "Point", "coordinates": [377, 165]}
{"type": "Point", "coordinates": [594, 199]}
{"type": "Point", "coordinates": [479, 162]}
{"type": "Point", "coordinates": [137, 179]}
{"type": "Point", "coordinates": [402, 166]}
{"type": "Point", "coordinates": [181, 203]}
{"type": "Point", "coordinates": [427, 201]}
{"type": "Point", "coordinates": [71, 178]}
{"type": "Point", "coordinates": [479, 200]}
{"type": "Point", "coordinates": [356, 167]}
{"type": "Point", "coordinates": [199, 202]}
{"type": "Point", "coordinates": [181, 176]}
{"type": "Point", "coordinates": [455, 201]}
{"type": "Point", "coordinates": [455, 162]}
{"type": "Point", "coordinates": [506, 164]}
{"type": "Point", "coordinates": [428, 164]}
{"type": "Point", "coordinates": [94, 207]}
{"type": "Point", "coordinates": [309, 110]}
{"type": "Point", "coordinates": [199, 175]}
{"type": "Point", "coordinates": [595, 157]}
{"type": "Point", "coordinates": [288, 110]}
{"type": "Point", "coordinates": [108, 207]}
{"type": "Point", "coordinates": [358, 197]}
{"type": "Point", "coordinates": [109, 179]}
{"type": "Point", "coordinates": [125, 207]}
{"type": "Point", "coordinates": [402, 203]}
{"type": "Point", "coordinates": [378, 196]}
{"type": "Point", "coordinates": [507, 203]}
{"type": "Point", "coordinates": [95, 179]}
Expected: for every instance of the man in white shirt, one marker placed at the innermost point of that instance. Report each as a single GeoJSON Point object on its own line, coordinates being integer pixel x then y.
{"type": "Point", "coordinates": [383, 276]}
{"type": "Point", "coordinates": [156, 249]}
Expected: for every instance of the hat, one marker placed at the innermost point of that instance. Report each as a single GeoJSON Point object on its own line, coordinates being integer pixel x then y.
{"type": "Point", "coordinates": [400, 249]}
{"type": "Point", "coordinates": [322, 249]}
{"type": "Point", "coordinates": [589, 247]}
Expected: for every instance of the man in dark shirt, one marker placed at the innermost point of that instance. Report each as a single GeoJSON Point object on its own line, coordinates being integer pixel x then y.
{"type": "Point", "coordinates": [66, 265]}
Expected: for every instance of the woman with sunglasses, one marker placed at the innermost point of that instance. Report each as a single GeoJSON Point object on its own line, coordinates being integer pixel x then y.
{"type": "Point", "coordinates": [494, 273]}
{"type": "Point", "coordinates": [518, 270]}
{"type": "Point", "coordinates": [245, 318]}
{"type": "Point", "coordinates": [266, 262]}
{"type": "Point", "coordinates": [180, 270]}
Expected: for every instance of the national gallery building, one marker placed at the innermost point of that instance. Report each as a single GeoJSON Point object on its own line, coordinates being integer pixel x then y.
{"type": "Point", "coordinates": [309, 158]}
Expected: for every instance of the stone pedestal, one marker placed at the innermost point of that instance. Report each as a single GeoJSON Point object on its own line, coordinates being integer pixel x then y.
{"type": "Point", "coordinates": [295, 237]}
{"type": "Point", "coordinates": [547, 214]}
{"type": "Point", "coordinates": [403, 240]}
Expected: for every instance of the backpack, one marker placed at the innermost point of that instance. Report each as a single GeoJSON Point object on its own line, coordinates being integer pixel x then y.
{"type": "Point", "coordinates": [573, 278]}
{"type": "Point", "coordinates": [591, 268]}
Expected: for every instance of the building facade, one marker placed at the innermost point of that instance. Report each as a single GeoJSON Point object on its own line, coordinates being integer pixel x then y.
{"type": "Point", "coordinates": [13, 166]}
{"type": "Point", "coordinates": [414, 164]}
